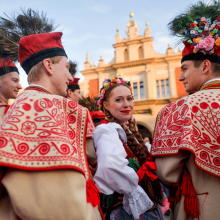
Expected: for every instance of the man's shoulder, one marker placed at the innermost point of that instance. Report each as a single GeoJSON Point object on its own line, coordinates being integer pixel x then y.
{"type": "Point", "coordinates": [193, 99]}
{"type": "Point", "coordinates": [176, 104]}
{"type": "Point", "coordinates": [38, 100]}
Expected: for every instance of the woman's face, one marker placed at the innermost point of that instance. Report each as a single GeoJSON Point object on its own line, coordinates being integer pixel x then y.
{"type": "Point", "coordinates": [120, 103]}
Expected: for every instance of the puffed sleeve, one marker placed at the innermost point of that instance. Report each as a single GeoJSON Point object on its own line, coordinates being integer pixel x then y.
{"type": "Point", "coordinates": [114, 174]}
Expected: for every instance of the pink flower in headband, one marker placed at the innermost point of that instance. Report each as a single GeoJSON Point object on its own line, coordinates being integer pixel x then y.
{"type": "Point", "coordinates": [207, 43]}
{"type": "Point", "coordinates": [102, 96]}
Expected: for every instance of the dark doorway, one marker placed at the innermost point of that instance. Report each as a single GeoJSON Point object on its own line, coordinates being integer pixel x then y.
{"type": "Point", "coordinates": [144, 132]}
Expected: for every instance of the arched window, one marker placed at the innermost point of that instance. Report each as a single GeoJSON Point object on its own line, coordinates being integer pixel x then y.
{"type": "Point", "coordinates": [126, 55]}
{"type": "Point", "coordinates": [140, 52]}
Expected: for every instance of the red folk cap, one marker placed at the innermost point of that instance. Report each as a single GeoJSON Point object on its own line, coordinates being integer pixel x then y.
{"type": "Point", "coordinates": [74, 85]}
{"type": "Point", "coordinates": [97, 115]}
{"type": "Point", "coordinates": [37, 47]}
{"type": "Point", "coordinates": [7, 66]}
{"type": "Point", "coordinates": [75, 81]}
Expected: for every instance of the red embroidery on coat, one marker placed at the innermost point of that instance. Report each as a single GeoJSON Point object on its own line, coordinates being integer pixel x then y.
{"type": "Point", "coordinates": [37, 106]}
{"type": "Point", "coordinates": [26, 107]}
{"type": "Point", "coordinates": [46, 140]}
{"type": "Point", "coordinates": [194, 125]}
{"type": "Point", "coordinates": [3, 142]}
{"type": "Point", "coordinates": [28, 127]}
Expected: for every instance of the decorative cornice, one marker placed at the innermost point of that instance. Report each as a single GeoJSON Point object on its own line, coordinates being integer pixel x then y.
{"type": "Point", "coordinates": [162, 59]}
{"type": "Point", "coordinates": [133, 63]}
{"type": "Point", "coordinates": [135, 41]}
{"type": "Point", "coordinates": [168, 58]}
{"type": "Point", "coordinates": [155, 101]}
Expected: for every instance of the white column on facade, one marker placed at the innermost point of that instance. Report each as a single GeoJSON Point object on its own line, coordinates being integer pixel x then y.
{"type": "Point", "coordinates": [86, 85]}
{"type": "Point", "coordinates": [151, 84]}
{"type": "Point", "coordinates": [119, 54]}
{"type": "Point", "coordinates": [145, 86]}
{"type": "Point", "coordinates": [148, 49]}
{"type": "Point", "coordinates": [139, 90]}
{"type": "Point", "coordinates": [133, 52]}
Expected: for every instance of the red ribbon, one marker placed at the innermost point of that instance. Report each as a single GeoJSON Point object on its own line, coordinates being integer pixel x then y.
{"type": "Point", "coordinates": [145, 169]}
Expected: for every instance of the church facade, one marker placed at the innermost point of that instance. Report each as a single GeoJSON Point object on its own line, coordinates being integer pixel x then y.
{"type": "Point", "coordinates": [153, 76]}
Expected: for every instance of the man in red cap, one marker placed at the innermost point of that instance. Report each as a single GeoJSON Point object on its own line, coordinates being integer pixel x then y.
{"type": "Point", "coordinates": [45, 174]}
{"type": "Point", "coordinates": [186, 143]}
{"type": "Point", "coordinates": [73, 91]}
{"type": "Point", "coordinates": [9, 84]}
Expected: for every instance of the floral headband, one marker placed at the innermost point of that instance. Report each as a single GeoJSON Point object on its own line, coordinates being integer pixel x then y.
{"type": "Point", "coordinates": [107, 83]}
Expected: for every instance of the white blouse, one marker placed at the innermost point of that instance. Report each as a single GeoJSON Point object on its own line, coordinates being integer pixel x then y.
{"type": "Point", "coordinates": [114, 174]}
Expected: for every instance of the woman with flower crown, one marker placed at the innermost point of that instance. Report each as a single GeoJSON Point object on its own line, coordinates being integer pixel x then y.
{"type": "Point", "coordinates": [125, 175]}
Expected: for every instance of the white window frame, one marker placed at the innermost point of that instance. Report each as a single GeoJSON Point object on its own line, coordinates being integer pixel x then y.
{"type": "Point", "coordinates": [139, 89]}
{"type": "Point", "coordinates": [160, 85]}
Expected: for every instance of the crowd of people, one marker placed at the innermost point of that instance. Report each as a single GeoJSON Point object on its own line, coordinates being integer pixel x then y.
{"type": "Point", "coordinates": [60, 160]}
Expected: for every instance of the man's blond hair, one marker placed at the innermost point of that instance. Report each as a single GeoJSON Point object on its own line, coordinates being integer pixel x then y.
{"type": "Point", "coordinates": [34, 74]}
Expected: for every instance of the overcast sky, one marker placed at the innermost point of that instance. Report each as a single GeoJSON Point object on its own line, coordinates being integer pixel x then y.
{"type": "Point", "coordinates": [90, 26]}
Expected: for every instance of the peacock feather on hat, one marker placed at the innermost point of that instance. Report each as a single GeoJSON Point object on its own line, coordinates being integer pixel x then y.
{"type": "Point", "coordinates": [20, 24]}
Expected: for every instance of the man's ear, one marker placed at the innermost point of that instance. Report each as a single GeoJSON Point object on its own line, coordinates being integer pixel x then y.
{"type": "Point", "coordinates": [48, 65]}
{"type": "Point", "coordinates": [69, 93]}
{"type": "Point", "coordinates": [105, 104]}
{"type": "Point", "coordinates": [206, 66]}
